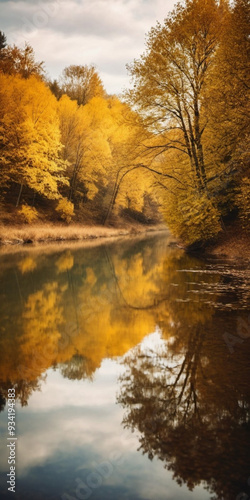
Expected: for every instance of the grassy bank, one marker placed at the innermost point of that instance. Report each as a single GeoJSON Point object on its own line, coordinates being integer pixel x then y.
{"type": "Point", "coordinates": [233, 242]}
{"type": "Point", "coordinates": [27, 234]}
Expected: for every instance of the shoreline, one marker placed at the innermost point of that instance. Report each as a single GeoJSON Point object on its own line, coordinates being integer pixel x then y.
{"type": "Point", "coordinates": [40, 235]}
{"type": "Point", "coordinates": [232, 243]}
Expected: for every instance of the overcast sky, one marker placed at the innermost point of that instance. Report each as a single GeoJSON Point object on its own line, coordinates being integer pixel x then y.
{"type": "Point", "coordinates": [106, 33]}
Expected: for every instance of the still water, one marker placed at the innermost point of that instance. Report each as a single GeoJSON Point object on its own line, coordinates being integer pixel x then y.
{"type": "Point", "coordinates": [130, 364]}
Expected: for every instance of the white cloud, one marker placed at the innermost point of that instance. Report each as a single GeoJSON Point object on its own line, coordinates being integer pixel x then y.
{"type": "Point", "coordinates": [78, 422]}
{"type": "Point", "coordinates": [107, 33]}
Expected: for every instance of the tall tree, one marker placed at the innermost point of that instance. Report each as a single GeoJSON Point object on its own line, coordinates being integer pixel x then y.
{"type": "Point", "coordinates": [3, 40]}
{"type": "Point", "coordinates": [170, 76]}
{"type": "Point", "coordinates": [81, 83]}
{"type": "Point", "coordinates": [55, 88]}
{"type": "Point", "coordinates": [29, 136]}
{"type": "Point", "coordinates": [227, 105]}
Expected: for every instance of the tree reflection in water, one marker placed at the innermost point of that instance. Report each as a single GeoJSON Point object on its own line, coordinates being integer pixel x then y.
{"type": "Point", "coordinates": [189, 400]}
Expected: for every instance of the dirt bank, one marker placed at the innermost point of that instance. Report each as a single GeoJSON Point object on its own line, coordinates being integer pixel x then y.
{"type": "Point", "coordinates": [232, 242]}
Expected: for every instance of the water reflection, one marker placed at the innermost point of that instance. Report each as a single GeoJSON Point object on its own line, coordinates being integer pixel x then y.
{"type": "Point", "coordinates": [73, 309]}
{"type": "Point", "coordinates": [189, 397]}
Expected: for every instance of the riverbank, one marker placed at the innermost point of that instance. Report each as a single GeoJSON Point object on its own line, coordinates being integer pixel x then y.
{"type": "Point", "coordinates": [232, 242]}
{"type": "Point", "coordinates": [28, 234]}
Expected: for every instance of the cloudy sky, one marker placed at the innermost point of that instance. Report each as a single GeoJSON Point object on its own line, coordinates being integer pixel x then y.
{"type": "Point", "coordinates": [71, 427]}
{"type": "Point", "coordinates": [106, 33]}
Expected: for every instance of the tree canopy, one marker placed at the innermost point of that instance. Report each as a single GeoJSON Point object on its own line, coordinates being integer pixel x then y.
{"type": "Point", "coordinates": [192, 88]}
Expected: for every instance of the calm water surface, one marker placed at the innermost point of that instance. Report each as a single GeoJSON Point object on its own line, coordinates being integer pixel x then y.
{"type": "Point", "coordinates": [130, 364]}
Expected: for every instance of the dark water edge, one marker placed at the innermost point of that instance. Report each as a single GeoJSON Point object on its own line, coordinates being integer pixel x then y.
{"type": "Point", "coordinates": [130, 363]}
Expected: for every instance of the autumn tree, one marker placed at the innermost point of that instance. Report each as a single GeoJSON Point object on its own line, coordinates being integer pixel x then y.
{"type": "Point", "coordinates": [101, 144]}
{"type": "Point", "coordinates": [20, 61]}
{"type": "Point", "coordinates": [71, 137]}
{"type": "Point", "coordinates": [81, 83]}
{"type": "Point", "coordinates": [227, 105]}
{"type": "Point", "coordinates": [29, 137]}
{"type": "Point", "coordinates": [85, 146]}
{"type": "Point", "coordinates": [3, 41]}
{"type": "Point", "coordinates": [97, 146]}
{"type": "Point", "coordinates": [169, 80]}
{"type": "Point", "coordinates": [55, 88]}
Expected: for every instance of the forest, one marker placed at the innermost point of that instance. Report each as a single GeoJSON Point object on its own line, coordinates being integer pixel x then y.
{"type": "Point", "coordinates": [174, 147]}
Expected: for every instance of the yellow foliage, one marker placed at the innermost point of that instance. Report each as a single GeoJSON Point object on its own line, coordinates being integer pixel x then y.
{"type": "Point", "coordinates": [42, 314]}
{"type": "Point", "coordinates": [243, 202]}
{"type": "Point", "coordinates": [81, 83]}
{"type": "Point", "coordinates": [101, 307]}
{"type": "Point", "coordinates": [65, 262]}
{"type": "Point", "coordinates": [192, 217]}
{"type": "Point", "coordinates": [27, 264]}
{"type": "Point", "coordinates": [66, 209]}
{"type": "Point", "coordinates": [133, 189]}
{"type": "Point", "coordinates": [100, 139]}
{"type": "Point", "coordinates": [91, 277]}
{"type": "Point", "coordinates": [29, 214]}
{"type": "Point", "coordinates": [184, 150]}
{"type": "Point", "coordinates": [29, 132]}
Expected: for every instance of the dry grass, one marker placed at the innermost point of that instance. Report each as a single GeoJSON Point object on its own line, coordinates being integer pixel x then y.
{"type": "Point", "coordinates": [18, 235]}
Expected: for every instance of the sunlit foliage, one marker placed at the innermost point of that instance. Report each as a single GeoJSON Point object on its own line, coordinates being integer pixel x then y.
{"type": "Point", "coordinates": [180, 140]}
{"type": "Point", "coordinates": [29, 136]}
{"type": "Point", "coordinates": [191, 86]}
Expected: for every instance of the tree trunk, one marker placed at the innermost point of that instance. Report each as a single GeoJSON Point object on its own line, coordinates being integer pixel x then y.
{"type": "Point", "coordinates": [19, 195]}
{"type": "Point", "coordinates": [198, 142]}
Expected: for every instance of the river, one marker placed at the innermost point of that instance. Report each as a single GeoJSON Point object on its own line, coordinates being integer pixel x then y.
{"type": "Point", "coordinates": [130, 368]}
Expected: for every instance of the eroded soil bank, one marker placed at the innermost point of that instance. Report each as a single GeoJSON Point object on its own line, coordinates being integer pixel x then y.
{"type": "Point", "coordinates": [232, 243]}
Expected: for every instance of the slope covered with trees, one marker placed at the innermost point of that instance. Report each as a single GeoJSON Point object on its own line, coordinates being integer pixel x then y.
{"type": "Point", "coordinates": [177, 145]}
{"type": "Point", "coordinates": [62, 145]}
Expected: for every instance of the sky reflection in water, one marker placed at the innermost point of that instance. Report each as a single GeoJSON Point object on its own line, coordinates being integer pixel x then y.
{"type": "Point", "coordinates": [78, 343]}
